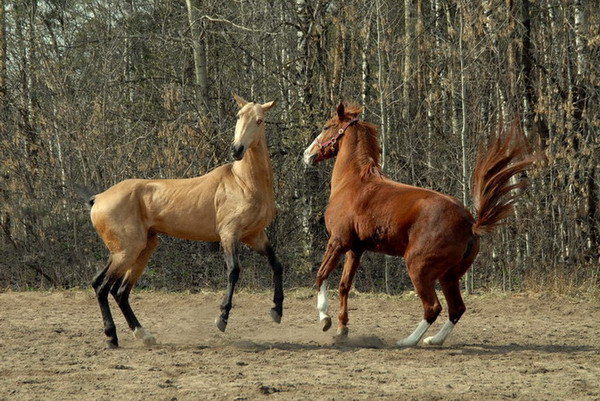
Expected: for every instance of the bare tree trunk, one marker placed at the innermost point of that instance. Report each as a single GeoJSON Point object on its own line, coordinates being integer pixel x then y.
{"type": "Point", "coordinates": [365, 62]}
{"type": "Point", "coordinates": [3, 89]}
{"type": "Point", "coordinates": [198, 47]}
{"type": "Point", "coordinates": [5, 217]}
{"type": "Point", "coordinates": [408, 54]}
{"type": "Point", "coordinates": [580, 101]}
{"type": "Point", "coordinates": [463, 136]}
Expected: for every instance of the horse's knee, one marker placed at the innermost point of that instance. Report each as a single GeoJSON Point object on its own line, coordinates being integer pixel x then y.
{"type": "Point", "coordinates": [344, 288]}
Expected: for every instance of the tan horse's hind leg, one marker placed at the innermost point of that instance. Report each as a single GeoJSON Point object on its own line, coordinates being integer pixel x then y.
{"type": "Point", "coordinates": [118, 265]}
{"type": "Point", "coordinates": [350, 266]}
{"type": "Point", "coordinates": [122, 288]}
{"type": "Point", "coordinates": [260, 243]}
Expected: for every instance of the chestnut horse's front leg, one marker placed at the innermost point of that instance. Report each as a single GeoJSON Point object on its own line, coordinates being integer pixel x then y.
{"type": "Point", "coordinates": [350, 266]}
{"type": "Point", "coordinates": [330, 262]}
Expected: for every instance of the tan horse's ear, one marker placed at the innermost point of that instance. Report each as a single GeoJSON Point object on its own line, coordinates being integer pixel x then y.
{"type": "Point", "coordinates": [269, 105]}
{"type": "Point", "coordinates": [239, 100]}
{"type": "Point", "coordinates": [341, 112]}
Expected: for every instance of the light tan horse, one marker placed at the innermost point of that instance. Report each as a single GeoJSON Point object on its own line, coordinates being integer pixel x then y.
{"type": "Point", "coordinates": [233, 203]}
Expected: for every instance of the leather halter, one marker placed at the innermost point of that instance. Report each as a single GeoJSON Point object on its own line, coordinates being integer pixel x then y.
{"type": "Point", "coordinates": [337, 136]}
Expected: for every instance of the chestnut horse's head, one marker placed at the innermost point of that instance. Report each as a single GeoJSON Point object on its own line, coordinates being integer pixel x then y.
{"type": "Point", "coordinates": [251, 121]}
{"type": "Point", "coordinates": [327, 143]}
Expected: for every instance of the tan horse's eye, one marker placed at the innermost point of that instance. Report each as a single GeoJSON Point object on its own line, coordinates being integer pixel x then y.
{"type": "Point", "coordinates": [259, 121]}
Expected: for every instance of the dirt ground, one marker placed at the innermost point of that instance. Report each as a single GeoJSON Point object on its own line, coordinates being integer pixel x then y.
{"type": "Point", "coordinates": [524, 347]}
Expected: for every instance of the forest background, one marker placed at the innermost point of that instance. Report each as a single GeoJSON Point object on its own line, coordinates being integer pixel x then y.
{"type": "Point", "coordinates": [96, 91]}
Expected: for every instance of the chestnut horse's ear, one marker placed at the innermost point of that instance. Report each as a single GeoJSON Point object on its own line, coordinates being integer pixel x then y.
{"type": "Point", "coordinates": [341, 112]}
{"type": "Point", "coordinates": [268, 105]}
{"type": "Point", "coordinates": [239, 100]}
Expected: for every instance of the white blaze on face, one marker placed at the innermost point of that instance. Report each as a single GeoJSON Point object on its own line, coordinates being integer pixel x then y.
{"type": "Point", "coordinates": [246, 126]}
{"type": "Point", "coordinates": [311, 151]}
{"type": "Point", "coordinates": [322, 302]}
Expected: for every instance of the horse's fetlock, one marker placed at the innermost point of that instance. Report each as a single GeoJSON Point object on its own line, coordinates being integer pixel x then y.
{"type": "Point", "coordinates": [110, 330]}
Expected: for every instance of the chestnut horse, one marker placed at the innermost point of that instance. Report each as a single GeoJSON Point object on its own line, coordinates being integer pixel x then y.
{"type": "Point", "coordinates": [435, 233]}
{"type": "Point", "coordinates": [231, 203]}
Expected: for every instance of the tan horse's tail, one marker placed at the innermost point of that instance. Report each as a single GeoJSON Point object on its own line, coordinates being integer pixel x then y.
{"type": "Point", "coordinates": [86, 193]}
{"type": "Point", "coordinates": [493, 193]}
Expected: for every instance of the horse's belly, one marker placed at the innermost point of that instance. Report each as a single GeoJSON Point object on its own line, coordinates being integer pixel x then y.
{"type": "Point", "coordinates": [195, 227]}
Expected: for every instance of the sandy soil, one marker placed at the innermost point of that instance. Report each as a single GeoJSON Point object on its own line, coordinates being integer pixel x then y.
{"type": "Point", "coordinates": [506, 347]}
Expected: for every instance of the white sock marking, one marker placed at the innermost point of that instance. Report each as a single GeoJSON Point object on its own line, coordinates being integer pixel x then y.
{"type": "Point", "coordinates": [416, 335]}
{"type": "Point", "coordinates": [442, 335]}
{"type": "Point", "coordinates": [322, 303]}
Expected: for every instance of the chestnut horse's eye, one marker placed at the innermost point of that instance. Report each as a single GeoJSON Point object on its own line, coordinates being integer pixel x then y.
{"type": "Point", "coordinates": [259, 121]}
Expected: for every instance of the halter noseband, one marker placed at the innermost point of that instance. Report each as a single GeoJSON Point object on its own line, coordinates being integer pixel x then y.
{"type": "Point", "coordinates": [333, 140]}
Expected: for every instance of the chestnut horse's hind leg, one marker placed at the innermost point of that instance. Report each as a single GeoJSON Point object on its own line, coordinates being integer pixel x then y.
{"type": "Point", "coordinates": [350, 266]}
{"type": "Point", "coordinates": [330, 262]}
{"type": "Point", "coordinates": [233, 273]}
{"type": "Point", "coordinates": [123, 286]}
{"type": "Point", "coordinates": [425, 287]}
{"type": "Point", "coordinates": [456, 307]}
{"type": "Point", "coordinates": [261, 245]}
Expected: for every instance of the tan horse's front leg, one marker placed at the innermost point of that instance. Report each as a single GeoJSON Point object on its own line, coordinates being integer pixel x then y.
{"type": "Point", "coordinates": [260, 243]}
{"type": "Point", "coordinates": [350, 266]}
{"type": "Point", "coordinates": [330, 262]}
{"type": "Point", "coordinates": [230, 249]}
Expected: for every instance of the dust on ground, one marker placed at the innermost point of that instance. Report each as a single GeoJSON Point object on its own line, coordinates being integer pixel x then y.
{"type": "Point", "coordinates": [522, 347]}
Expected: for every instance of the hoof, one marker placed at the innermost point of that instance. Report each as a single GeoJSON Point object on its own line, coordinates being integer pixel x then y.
{"type": "Point", "coordinates": [342, 331]}
{"type": "Point", "coordinates": [326, 323]}
{"type": "Point", "coordinates": [141, 334]}
{"type": "Point", "coordinates": [149, 341]}
{"type": "Point", "coordinates": [406, 343]}
{"type": "Point", "coordinates": [275, 316]}
{"type": "Point", "coordinates": [221, 324]}
{"type": "Point", "coordinates": [432, 341]}
{"type": "Point", "coordinates": [112, 343]}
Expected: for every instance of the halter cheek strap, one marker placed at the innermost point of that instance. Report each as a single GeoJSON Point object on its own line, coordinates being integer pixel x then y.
{"type": "Point", "coordinates": [333, 140]}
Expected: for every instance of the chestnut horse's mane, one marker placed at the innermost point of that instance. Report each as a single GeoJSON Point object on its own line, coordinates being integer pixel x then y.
{"type": "Point", "coordinates": [367, 148]}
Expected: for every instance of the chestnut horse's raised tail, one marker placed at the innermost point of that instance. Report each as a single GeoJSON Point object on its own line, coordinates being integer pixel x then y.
{"type": "Point", "coordinates": [506, 158]}
{"type": "Point", "coordinates": [437, 236]}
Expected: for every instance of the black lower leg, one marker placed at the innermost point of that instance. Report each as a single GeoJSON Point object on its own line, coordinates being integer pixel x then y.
{"type": "Point", "coordinates": [232, 277]}
{"type": "Point", "coordinates": [99, 277]}
{"type": "Point", "coordinates": [120, 291]}
{"type": "Point", "coordinates": [102, 291]}
{"type": "Point", "coordinates": [277, 283]}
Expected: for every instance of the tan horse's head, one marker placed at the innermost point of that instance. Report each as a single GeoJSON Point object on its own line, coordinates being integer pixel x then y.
{"type": "Point", "coordinates": [251, 122]}
{"type": "Point", "coordinates": [327, 143]}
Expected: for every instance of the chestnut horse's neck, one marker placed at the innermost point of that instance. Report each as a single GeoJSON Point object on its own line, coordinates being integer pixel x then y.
{"type": "Point", "coordinates": [255, 167]}
{"type": "Point", "coordinates": [358, 157]}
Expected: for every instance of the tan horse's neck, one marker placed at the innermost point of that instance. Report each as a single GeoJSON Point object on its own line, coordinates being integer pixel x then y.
{"type": "Point", "coordinates": [356, 158]}
{"type": "Point", "coordinates": [255, 167]}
